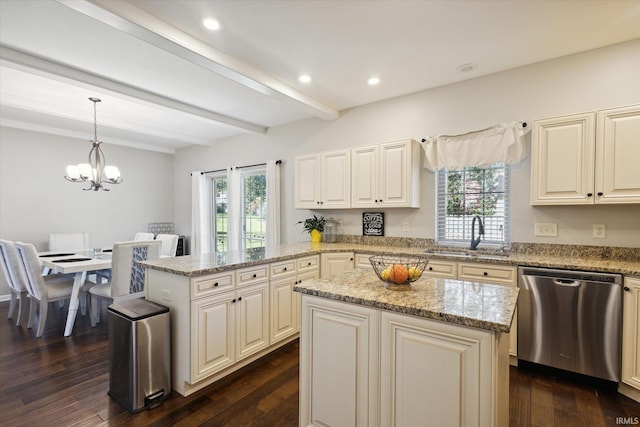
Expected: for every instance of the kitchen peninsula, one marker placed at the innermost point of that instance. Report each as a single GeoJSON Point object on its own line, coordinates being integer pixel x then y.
{"type": "Point", "coordinates": [433, 355]}
{"type": "Point", "coordinates": [230, 309]}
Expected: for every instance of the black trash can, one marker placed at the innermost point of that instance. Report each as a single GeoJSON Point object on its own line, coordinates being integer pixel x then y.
{"type": "Point", "coordinates": [139, 354]}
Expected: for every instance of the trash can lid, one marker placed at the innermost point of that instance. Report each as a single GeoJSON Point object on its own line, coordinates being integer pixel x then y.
{"type": "Point", "coordinates": [137, 308]}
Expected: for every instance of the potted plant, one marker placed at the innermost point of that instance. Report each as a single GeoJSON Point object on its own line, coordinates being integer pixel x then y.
{"type": "Point", "coordinates": [314, 226]}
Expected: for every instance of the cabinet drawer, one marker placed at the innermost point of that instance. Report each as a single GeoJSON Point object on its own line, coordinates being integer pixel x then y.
{"type": "Point", "coordinates": [249, 275]}
{"type": "Point", "coordinates": [362, 260]}
{"type": "Point", "coordinates": [308, 263]}
{"type": "Point", "coordinates": [492, 273]}
{"type": "Point", "coordinates": [207, 285]}
{"type": "Point", "coordinates": [442, 269]}
{"type": "Point", "coordinates": [282, 268]}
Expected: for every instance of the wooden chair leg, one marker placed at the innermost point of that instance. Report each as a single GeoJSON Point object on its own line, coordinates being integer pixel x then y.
{"type": "Point", "coordinates": [33, 310]}
{"type": "Point", "coordinates": [22, 307]}
{"type": "Point", "coordinates": [94, 311]}
{"type": "Point", "coordinates": [12, 304]}
{"type": "Point", "coordinates": [44, 308]}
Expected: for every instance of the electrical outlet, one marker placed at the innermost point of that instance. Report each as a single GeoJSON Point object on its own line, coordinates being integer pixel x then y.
{"type": "Point", "coordinates": [166, 295]}
{"type": "Point", "coordinates": [545, 229]}
{"type": "Point", "coordinates": [405, 226]}
{"type": "Point", "coordinates": [599, 231]}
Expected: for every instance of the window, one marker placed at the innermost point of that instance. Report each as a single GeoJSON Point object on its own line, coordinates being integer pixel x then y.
{"type": "Point", "coordinates": [220, 213]}
{"type": "Point", "coordinates": [464, 193]}
{"type": "Point", "coordinates": [253, 210]}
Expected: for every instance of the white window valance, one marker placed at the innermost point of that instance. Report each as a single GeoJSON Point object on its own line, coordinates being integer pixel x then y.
{"type": "Point", "coordinates": [501, 143]}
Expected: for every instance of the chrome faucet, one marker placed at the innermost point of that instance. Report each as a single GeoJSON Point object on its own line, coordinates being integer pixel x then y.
{"type": "Point", "coordinates": [475, 242]}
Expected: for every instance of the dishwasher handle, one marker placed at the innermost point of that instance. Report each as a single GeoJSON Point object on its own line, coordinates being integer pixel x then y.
{"type": "Point", "coordinates": [567, 282]}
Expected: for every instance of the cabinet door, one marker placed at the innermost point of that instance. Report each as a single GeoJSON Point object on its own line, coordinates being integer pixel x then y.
{"type": "Point", "coordinates": [338, 364]}
{"type": "Point", "coordinates": [302, 277]}
{"type": "Point", "coordinates": [252, 319]}
{"type": "Point", "coordinates": [617, 154]}
{"type": "Point", "coordinates": [562, 160]}
{"type": "Point", "coordinates": [307, 182]}
{"type": "Point", "coordinates": [440, 268]}
{"type": "Point", "coordinates": [336, 263]}
{"type": "Point", "coordinates": [212, 335]}
{"type": "Point", "coordinates": [364, 177]}
{"type": "Point", "coordinates": [631, 333]}
{"type": "Point", "coordinates": [454, 388]}
{"type": "Point", "coordinates": [335, 184]}
{"type": "Point", "coordinates": [284, 311]}
{"type": "Point", "coordinates": [399, 174]}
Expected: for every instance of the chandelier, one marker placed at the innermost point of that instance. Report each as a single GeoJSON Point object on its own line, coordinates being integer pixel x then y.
{"type": "Point", "coordinates": [95, 172]}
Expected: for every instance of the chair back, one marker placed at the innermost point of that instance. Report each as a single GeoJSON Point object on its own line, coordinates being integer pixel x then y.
{"type": "Point", "coordinates": [169, 244]}
{"type": "Point", "coordinates": [29, 264]}
{"type": "Point", "coordinates": [68, 241]}
{"type": "Point", "coordinates": [127, 277]}
{"type": "Point", "coordinates": [9, 264]}
{"type": "Point", "coordinates": [143, 236]}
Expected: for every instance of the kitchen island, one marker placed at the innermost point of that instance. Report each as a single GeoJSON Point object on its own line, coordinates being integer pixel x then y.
{"type": "Point", "coordinates": [434, 355]}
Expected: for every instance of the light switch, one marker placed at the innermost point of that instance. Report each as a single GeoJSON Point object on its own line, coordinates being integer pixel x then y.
{"type": "Point", "coordinates": [545, 229]}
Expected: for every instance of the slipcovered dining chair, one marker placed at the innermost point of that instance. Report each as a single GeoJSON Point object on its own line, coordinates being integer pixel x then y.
{"type": "Point", "coordinates": [127, 277]}
{"type": "Point", "coordinates": [43, 289]}
{"type": "Point", "coordinates": [15, 280]}
{"type": "Point", "coordinates": [169, 245]}
{"type": "Point", "coordinates": [69, 241]}
{"type": "Point", "coordinates": [143, 236]}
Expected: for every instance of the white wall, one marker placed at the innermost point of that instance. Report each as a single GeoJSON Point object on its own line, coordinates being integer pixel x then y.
{"type": "Point", "coordinates": [598, 79]}
{"type": "Point", "coordinates": [36, 200]}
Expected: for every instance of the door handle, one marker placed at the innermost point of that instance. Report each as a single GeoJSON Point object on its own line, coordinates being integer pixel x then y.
{"type": "Point", "coordinates": [567, 283]}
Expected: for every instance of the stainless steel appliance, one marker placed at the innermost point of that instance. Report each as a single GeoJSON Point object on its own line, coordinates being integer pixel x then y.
{"type": "Point", "coordinates": [570, 320]}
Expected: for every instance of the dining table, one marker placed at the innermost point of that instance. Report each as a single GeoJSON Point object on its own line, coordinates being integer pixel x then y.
{"type": "Point", "coordinates": [78, 263]}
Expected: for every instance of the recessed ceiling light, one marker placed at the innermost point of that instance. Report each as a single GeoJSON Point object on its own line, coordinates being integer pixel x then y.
{"type": "Point", "coordinates": [373, 81]}
{"type": "Point", "coordinates": [465, 68]}
{"type": "Point", "coordinates": [304, 78]}
{"type": "Point", "coordinates": [211, 24]}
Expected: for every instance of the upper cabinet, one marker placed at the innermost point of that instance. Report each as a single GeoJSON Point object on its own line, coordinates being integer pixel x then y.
{"type": "Point", "coordinates": [386, 175]}
{"type": "Point", "coordinates": [586, 158]}
{"type": "Point", "coordinates": [323, 181]}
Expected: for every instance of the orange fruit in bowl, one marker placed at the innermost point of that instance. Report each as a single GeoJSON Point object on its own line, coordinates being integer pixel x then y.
{"type": "Point", "coordinates": [398, 274]}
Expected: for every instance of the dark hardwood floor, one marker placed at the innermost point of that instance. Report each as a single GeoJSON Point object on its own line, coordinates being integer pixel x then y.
{"type": "Point", "coordinates": [62, 381]}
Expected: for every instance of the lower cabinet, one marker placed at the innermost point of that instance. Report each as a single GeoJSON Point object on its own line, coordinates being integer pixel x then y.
{"type": "Point", "coordinates": [227, 328]}
{"type": "Point", "coordinates": [434, 374]}
{"type": "Point", "coordinates": [338, 364]}
{"type": "Point", "coordinates": [409, 372]}
{"type": "Point", "coordinates": [630, 385]}
{"type": "Point", "coordinates": [334, 263]}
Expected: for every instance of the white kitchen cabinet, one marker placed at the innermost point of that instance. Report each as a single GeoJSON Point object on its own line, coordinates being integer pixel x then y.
{"type": "Point", "coordinates": [338, 364]}
{"type": "Point", "coordinates": [630, 385]}
{"type": "Point", "coordinates": [499, 274]}
{"type": "Point", "coordinates": [228, 327]}
{"type": "Point", "coordinates": [441, 268]}
{"type": "Point", "coordinates": [362, 261]}
{"type": "Point", "coordinates": [586, 158]}
{"type": "Point", "coordinates": [334, 263]}
{"type": "Point", "coordinates": [617, 153]}
{"type": "Point", "coordinates": [436, 374]}
{"type": "Point", "coordinates": [386, 175]}
{"type": "Point", "coordinates": [285, 303]}
{"type": "Point", "coordinates": [323, 180]}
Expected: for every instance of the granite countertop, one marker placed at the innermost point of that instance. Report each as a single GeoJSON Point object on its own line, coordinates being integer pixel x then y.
{"type": "Point", "coordinates": [477, 305]}
{"type": "Point", "coordinates": [198, 265]}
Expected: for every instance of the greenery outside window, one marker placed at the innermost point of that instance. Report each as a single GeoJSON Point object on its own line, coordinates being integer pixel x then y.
{"type": "Point", "coordinates": [466, 192]}
{"type": "Point", "coordinates": [253, 209]}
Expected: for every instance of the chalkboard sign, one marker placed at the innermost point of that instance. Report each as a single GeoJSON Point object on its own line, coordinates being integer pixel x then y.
{"type": "Point", "coordinates": [373, 223]}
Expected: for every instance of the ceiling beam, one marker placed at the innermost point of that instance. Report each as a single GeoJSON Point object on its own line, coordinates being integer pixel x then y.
{"type": "Point", "coordinates": [48, 67]}
{"type": "Point", "coordinates": [135, 22]}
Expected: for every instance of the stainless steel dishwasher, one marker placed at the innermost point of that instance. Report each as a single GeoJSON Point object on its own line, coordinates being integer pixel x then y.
{"type": "Point", "coordinates": [570, 320]}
